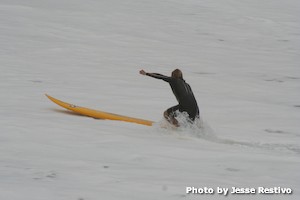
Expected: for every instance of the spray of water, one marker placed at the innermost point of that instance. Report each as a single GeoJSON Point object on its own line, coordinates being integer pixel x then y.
{"type": "Point", "coordinates": [187, 128]}
{"type": "Point", "coordinates": [200, 129]}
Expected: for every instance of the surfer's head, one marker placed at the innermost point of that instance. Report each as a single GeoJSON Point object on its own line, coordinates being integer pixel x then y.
{"type": "Point", "coordinates": [177, 74]}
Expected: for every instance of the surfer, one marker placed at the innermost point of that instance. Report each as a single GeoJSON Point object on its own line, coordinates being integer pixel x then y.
{"type": "Point", "coordinates": [183, 93]}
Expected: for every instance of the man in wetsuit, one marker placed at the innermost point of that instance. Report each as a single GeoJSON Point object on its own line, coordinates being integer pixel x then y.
{"type": "Point", "coordinates": [183, 93]}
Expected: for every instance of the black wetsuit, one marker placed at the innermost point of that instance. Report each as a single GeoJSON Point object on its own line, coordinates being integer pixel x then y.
{"type": "Point", "coordinates": [183, 94]}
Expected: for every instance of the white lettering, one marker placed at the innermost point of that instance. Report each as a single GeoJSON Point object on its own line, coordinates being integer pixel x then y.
{"type": "Point", "coordinates": [223, 191]}
{"type": "Point", "coordinates": [188, 190]}
{"type": "Point", "coordinates": [274, 190]}
{"type": "Point", "coordinates": [236, 190]}
{"type": "Point", "coordinates": [194, 190]}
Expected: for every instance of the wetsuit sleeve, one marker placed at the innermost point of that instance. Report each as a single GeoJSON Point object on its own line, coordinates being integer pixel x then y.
{"type": "Point", "coordinates": [159, 76]}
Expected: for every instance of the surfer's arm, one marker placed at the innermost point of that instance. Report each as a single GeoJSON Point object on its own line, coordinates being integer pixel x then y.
{"type": "Point", "coordinates": [156, 75]}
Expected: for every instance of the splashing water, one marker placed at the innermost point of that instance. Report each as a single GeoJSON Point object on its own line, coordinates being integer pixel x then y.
{"type": "Point", "coordinates": [187, 128]}
{"type": "Point", "coordinates": [200, 129]}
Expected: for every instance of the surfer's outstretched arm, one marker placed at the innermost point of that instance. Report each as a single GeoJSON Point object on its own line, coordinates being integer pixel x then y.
{"type": "Point", "coordinates": [156, 75]}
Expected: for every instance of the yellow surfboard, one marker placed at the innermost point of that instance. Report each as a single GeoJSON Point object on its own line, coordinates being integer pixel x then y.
{"type": "Point", "coordinates": [99, 114]}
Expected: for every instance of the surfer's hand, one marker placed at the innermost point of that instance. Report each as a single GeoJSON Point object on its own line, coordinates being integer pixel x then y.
{"type": "Point", "coordinates": [142, 72]}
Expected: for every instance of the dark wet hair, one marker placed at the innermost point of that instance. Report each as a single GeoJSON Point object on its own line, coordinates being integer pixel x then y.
{"type": "Point", "coordinates": [177, 74]}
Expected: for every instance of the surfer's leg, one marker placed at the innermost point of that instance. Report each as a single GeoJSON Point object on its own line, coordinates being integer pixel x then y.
{"type": "Point", "coordinates": [170, 115]}
{"type": "Point", "coordinates": [193, 113]}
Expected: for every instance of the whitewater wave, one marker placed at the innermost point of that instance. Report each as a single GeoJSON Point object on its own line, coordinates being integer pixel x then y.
{"type": "Point", "coordinates": [201, 130]}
